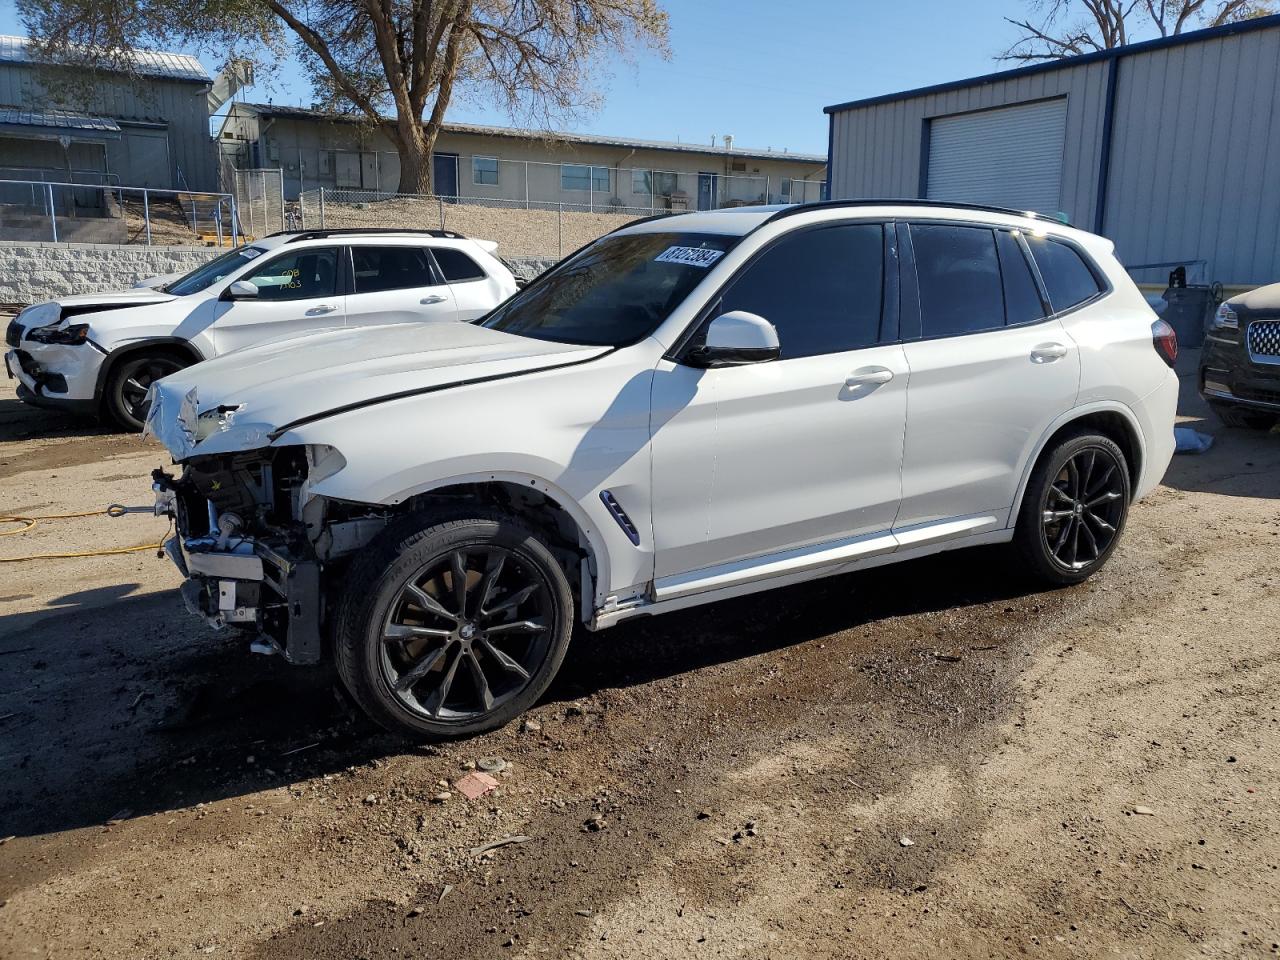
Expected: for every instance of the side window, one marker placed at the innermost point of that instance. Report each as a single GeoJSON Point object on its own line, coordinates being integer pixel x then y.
{"type": "Point", "coordinates": [390, 268]}
{"type": "Point", "coordinates": [301, 275]}
{"type": "Point", "coordinates": [958, 271]}
{"type": "Point", "coordinates": [821, 288]}
{"type": "Point", "coordinates": [456, 265]}
{"type": "Point", "coordinates": [1021, 296]}
{"type": "Point", "coordinates": [1067, 278]}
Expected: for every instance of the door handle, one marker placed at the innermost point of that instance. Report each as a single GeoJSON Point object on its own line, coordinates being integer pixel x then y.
{"type": "Point", "coordinates": [434, 298]}
{"type": "Point", "coordinates": [1047, 352]}
{"type": "Point", "coordinates": [869, 375]}
{"type": "Point", "coordinates": [323, 308]}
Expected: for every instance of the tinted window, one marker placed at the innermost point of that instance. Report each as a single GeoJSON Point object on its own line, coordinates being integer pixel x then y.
{"type": "Point", "coordinates": [297, 276]}
{"type": "Point", "coordinates": [390, 268]}
{"type": "Point", "coordinates": [213, 271]}
{"type": "Point", "coordinates": [822, 289]}
{"type": "Point", "coordinates": [614, 292]}
{"type": "Point", "coordinates": [456, 265]}
{"type": "Point", "coordinates": [1066, 277]}
{"type": "Point", "coordinates": [1021, 296]}
{"type": "Point", "coordinates": [959, 275]}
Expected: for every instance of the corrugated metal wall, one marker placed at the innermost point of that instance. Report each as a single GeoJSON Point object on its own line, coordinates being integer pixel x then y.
{"type": "Point", "coordinates": [1195, 164]}
{"type": "Point", "coordinates": [1195, 155]}
{"type": "Point", "coordinates": [182, 105]}
{"type": "Point", "coordinates": [877, 149]}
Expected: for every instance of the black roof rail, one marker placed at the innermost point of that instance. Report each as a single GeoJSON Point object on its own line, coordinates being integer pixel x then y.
{"type": "Point", "coordinates": [911, 202]}
{"type": "Point", "coordinates": [296, 235]}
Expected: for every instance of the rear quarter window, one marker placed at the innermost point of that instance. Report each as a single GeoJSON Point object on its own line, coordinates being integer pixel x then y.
{"type": "Point", "coordinates": [1068, 279]}
{"type": "Point", "coordinates": [456, 265]}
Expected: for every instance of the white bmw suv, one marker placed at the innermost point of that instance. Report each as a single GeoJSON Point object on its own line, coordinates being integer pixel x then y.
{"type": "Point", "coordinates": [98, 353]}
{"type": "Point", "coordinates": [691, 408]}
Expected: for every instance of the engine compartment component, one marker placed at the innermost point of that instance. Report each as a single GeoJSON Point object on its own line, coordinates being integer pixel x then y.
{"type": "Point", "coordinates": [256, 549]}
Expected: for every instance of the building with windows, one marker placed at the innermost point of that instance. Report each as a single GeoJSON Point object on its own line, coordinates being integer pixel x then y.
{"type": "Point", "coordinates": [1171, 148]}
{"type": "Point", "coordinates": [506, 166]}
{"type": "Point", "coordinates": [146, 131]}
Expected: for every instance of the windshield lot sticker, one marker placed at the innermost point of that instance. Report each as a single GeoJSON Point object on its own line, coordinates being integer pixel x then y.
{"type": "Point", "coordinates": [689, 256]}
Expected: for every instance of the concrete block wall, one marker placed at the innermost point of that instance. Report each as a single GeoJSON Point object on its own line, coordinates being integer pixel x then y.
{"type": "Point", "coordinates": [31, 272]}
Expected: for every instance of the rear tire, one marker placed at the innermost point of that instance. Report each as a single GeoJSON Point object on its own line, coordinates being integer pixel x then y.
{"type": "Point", "coordinates": [1244, 417]}
{"type": "Point", "coordinates": [126, 394]}
{"type": "Point", "coordinates": [449, 627]}
{"type": "Point", "coordinates": [1074, 509]}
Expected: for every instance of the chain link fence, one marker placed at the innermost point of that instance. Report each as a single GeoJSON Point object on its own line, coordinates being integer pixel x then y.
{"type": "Point", "coordinates": [260, 201]}
{"type": "Point", "coordinates": [521, 228]}
{"type": "Point", "coordinates": [535, 230]}
{"type": "Point", "coordinates": [53, 212]}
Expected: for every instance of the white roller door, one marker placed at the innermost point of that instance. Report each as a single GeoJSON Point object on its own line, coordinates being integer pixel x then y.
{"type": "Point", "coordinates": [1009, 157]}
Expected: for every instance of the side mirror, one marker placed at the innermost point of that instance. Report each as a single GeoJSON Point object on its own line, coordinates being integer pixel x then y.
{"type": "Point", "coordinates": [242, 290]}
{"type": "Point", "coordinates": [737, 338]}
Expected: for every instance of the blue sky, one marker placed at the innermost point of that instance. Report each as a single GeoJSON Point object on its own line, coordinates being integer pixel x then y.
{"type": "Point", "coordinates": [759, 69]}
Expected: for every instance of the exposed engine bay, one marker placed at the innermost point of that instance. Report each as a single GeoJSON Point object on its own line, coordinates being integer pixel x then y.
{"type": "Point", "coordinates": [254, 543]}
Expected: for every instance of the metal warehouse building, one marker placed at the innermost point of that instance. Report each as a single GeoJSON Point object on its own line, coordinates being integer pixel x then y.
{"type": "Point", "coordinates": [150, 132]}
{"type": "Point", "coordinates": [1171, 148]}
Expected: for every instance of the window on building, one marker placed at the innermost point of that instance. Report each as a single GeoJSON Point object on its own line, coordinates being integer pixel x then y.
{"type": "Point", "coordinates": [1021, 296]}
{"type": "Point", "coordinates": [822, 289]}
{"type": "Point", "coordinates": [457, 266]}
{"type": "Point", "coordinates": [1067, 278]}
{"type": "Point", "coordinates": [390, 268]}
{"type": "Point", "coordinates": [640, 181]}
{"type": "Point", "coordinates": [579, 176]}
{"type": "Point", "coordinates": [484, 170]}
{"type": "Point", "coordinates": [958, 271]}
{"type": "Point", "coordinates": [298, 276]}
{"type": "Point", "coordinates": [786, 188]}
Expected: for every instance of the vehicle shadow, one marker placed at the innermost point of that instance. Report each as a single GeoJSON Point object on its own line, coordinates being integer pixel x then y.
{"type": "Point", "coordinates": [145, 710]}
{"type": "Point", "coordinates": [22, 421]}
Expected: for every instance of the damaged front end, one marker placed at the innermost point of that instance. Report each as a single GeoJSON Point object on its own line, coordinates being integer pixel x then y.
{"type": "Point", "coordinates": [256, 545]}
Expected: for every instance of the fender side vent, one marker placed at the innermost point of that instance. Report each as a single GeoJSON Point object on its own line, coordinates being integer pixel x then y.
{"type": "Point", "coordinates": [620, 515]}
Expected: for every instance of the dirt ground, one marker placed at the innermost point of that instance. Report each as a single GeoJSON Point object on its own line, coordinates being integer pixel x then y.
{"type": "Point", "coordinates": [920, 761]}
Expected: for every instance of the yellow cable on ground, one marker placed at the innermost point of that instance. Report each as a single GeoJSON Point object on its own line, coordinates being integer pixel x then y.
{"type": "Point", "coordinates": [30, 523]}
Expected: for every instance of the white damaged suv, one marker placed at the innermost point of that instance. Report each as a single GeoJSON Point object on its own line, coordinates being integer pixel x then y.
{"type": "Point", "coordinates": [98, 353]}
{"type": "Point", "coordinates": [691, 408]}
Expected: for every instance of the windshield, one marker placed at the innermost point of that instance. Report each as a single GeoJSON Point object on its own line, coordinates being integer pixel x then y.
{"type": "Point", "coordinates": [615, 292]}
{"type": "Point", "coordinates": [213, 271]}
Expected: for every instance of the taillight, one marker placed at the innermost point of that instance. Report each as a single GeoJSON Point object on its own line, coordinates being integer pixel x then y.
{"type": "Point", "coordinates": [1166, 341]}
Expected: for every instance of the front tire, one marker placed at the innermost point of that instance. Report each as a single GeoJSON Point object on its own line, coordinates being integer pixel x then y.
{"type": "Point", "coordinates": [1244, 417]}
{"type": "Point", "coordinates": [451, 627]}
{"type": "Point", "coordinates": [126, 395]}
{"type": "Point", "coordinates": [1074, 509]}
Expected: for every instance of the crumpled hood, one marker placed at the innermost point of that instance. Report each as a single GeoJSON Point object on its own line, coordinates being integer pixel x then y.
{"type": "Point", "coordinates": [238, 400]}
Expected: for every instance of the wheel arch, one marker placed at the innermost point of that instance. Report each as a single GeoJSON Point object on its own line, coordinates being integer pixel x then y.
{"type": "Point", "coordinates": [1113, 420]}
{"type": "Point", "coordinates": [174, 345]}
{"type": "Point", "coordinates": [547, 508]}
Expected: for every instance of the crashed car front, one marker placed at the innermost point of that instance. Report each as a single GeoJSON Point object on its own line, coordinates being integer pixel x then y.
{"type": "Point", "coordinates": [261, 439]}
{"type": "Point", "coordinates": [251, 540]}
{"type": "Point", "coordinates": [243, 543]}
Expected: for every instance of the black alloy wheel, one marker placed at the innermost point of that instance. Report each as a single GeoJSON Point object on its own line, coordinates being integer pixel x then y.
{"type": "Point", "coordinates": [127, 401]}
{"type": "Point", "coordinates": [466, 633]}
{"type": "Point", "coordinates": [1083, 508]}
{"type": "Point", "coordinates": [451, 625]}
{"type": "Point", "coordinates": [1074, 509]}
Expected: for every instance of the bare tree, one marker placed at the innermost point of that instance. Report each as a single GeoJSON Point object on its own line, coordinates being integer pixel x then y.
{"type": "Point", "coordinates": [1067, 28]}
{"type": "Point", "coordinates": [408, 57]}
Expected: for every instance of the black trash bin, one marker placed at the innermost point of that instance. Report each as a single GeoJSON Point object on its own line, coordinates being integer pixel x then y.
{"type": "Point", "coordinates": [1189, 308]}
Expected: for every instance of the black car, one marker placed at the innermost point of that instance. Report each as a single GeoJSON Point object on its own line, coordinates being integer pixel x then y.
{"type": "Point", "coordinates": [1240, 362]}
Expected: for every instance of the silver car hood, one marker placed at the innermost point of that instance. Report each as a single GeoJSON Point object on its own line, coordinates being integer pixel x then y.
{"type": "Point", "coordinates": [238, 401]}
